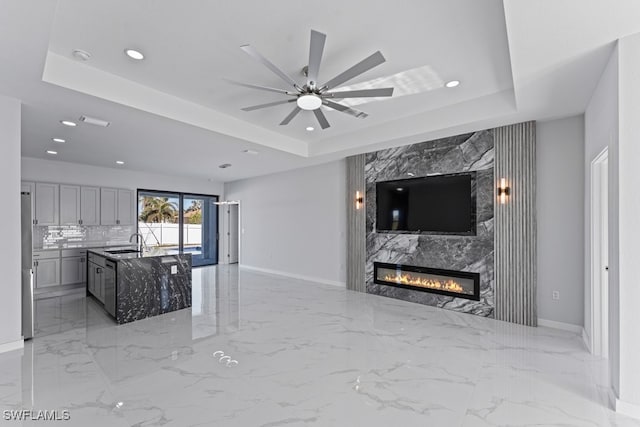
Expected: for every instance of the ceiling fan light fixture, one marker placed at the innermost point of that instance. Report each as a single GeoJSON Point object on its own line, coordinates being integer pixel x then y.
{"type": "Point", "coordinates": [309, 102]}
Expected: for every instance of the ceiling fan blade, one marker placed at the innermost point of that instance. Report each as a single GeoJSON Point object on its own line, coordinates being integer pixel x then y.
{"type": "Point", "coordinates": [269, 104]}
{"type": "Point", "coordinates": [364, 93]}
{"type": "Point", "coordinates": [321, 118]}
{"type": "Point", "coordinates": [316, 47]}
{"type": "Point", "coordinates": [269, 89]}
{"type": "Point", "coordinates": [345, 109]}
{"type": "Point", "coordinates": [290, 116]}
{"type": "Point", "coordinates": [249, 50]}
{"type": "Point", "coordinates": [365, 65]}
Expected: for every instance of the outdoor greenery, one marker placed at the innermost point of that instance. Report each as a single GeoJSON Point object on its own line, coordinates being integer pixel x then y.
{"type": "Point", "coordinates": [158, 209]}
{"type": "Point", "coordinates": [193, 214]}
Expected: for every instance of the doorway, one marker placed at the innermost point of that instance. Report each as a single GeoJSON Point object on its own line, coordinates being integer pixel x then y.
{"type": "Point", "coordinates": [231, 241]}
{"type": "Point", "coordinates": [600, 254]}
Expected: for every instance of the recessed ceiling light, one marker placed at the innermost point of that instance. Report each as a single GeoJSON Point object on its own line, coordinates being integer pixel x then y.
{"type": "Point", "coordinates": [120, 162]}
{"type": "Point", "coordinates": [52, 152]}
{"type": "Point", "coordinates": [254, 152]}
{"type": "Point", "coordinates": [80, 54]}
{"type": "Point", "coordinates": [310, 128]}
{"type": "Point", "coordinates": [400, 189]}
{"type": "Point", "coordinates": [452, 83]}
{"type": "Point", "coordinates": [60, 140]}
{"type": "Point", "coordinates": [134, 54]}
{"type": "Point", "coordinates": [225, 165]}
{"type": "Point", "coordinates": [68, 123]}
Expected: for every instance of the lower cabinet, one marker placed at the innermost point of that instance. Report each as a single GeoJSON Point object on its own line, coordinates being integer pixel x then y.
{"type": "Point", "coordinates": [57, 268]}
{"type": "Point", "coordinates": [73, 270]}
{"type": "Point", "coordinates": [46, 272]}
{"type": "Point", "coordinates": [95, 281]}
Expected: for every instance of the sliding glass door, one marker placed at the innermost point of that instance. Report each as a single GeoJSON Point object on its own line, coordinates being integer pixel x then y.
{"type": "Point", "coordinates": [178, 222]}
{"type": "Point", "coordinates": [199, 228]}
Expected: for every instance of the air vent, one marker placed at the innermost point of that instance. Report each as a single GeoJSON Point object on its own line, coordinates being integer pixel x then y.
{"type": "Point", "coordinates": [94, 121]}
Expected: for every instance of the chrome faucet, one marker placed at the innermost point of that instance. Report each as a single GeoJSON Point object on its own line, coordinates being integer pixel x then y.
{"type": "Point", "coordinates": [139, 241]}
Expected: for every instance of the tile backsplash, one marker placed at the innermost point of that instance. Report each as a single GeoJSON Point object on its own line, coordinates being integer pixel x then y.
{"type": "Point", "coordinates": [60, 235]}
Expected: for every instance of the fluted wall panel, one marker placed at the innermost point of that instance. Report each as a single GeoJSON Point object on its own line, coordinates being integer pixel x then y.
{"type": "Point", "coordinates": [356, 235]}
{"type": "Point", "coordinates": [515, 228]}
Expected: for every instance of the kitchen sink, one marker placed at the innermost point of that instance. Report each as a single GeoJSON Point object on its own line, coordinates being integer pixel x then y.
{"type": "Point", "coordinates": [123, 251]}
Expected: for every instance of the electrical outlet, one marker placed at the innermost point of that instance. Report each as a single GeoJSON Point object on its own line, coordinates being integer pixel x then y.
{"type": "Point", "coordinates": [555, 295]}
{"type": "Point", "coordinates": [174, 269]}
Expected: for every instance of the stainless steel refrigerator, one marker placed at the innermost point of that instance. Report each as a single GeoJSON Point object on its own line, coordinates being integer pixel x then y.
{"type": "Point", "coordinates": [27, 267]}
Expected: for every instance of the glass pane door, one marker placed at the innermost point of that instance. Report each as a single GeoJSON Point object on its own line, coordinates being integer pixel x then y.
{"type": "Point", "coordinates": [199, 229]}
{"type": "Point", "coordinates": [159, 219]}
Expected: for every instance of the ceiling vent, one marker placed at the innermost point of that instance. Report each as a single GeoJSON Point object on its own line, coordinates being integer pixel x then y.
{"type": "Point", "coordinates": [94, 121]}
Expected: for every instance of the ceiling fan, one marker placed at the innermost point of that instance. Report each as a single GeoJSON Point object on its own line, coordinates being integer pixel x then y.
{"type": "Point", "coordinates": [311, 95]}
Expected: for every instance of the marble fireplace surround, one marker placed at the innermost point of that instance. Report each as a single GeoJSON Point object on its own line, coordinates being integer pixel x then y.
{"type": "Point", "coordinates": [462, 153]}
{"type": "Point", "coordinates": [504, 250]}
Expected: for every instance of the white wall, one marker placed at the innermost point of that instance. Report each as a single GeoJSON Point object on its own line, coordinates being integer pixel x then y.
{"type": "Point", "coordinates": [294, 222]}
{"type": "Point", "coordinates": [601, 131]}
{"type": "Point", "coordinates": [74, 173]}
{"type": "Point", "coordinates": [560, 204]}
{"type": "Point", "coordinates": [629, 220]}
{"type": "Point", "coordinates": [10, 262]}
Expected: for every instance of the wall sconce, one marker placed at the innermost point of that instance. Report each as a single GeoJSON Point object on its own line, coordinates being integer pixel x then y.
{"type": "Point", "coordinates": [359, 200]}
{"type": "Point", "coordinates": [503, 191]}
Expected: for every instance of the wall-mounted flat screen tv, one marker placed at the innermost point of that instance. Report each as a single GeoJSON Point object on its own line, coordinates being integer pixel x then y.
{"type": "Point", "coordinates": [440, 204]}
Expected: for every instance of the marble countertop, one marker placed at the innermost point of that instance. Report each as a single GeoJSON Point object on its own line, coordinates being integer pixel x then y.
{"type": "Point", "coordinates": [152, 253]}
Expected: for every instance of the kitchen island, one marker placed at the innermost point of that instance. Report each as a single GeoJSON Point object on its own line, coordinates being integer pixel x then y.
{"type": "Point", "coordinates": [134, 285]}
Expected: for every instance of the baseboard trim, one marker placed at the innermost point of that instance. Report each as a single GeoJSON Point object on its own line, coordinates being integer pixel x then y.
{"type": "Point", "coordinates": [576, 329]}
{"type": "Point", "coordinates": [10, 346]}
{"type": "Point", "coordinates": [294, 276]}
{"type": "Point", "coordinates": [586, 340]}
{"type": "Point", "coordinates": [628, 409]}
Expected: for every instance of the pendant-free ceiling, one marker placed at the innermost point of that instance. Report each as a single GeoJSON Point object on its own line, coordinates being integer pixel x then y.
{"type": "Point", "coordinates": [311, 96]}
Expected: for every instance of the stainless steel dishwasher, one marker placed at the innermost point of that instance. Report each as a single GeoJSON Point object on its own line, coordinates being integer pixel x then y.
{"type": "Point", "coordinates": [110, 273]}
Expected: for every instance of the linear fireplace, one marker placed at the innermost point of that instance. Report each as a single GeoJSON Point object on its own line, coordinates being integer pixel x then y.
{"type": "Point", "coordinates": [461, 284]}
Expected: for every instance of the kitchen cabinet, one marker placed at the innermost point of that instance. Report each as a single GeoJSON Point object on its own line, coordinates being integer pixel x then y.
{"type": "Point", "coordinates": [96, 278]}
{"type": "Point", "coordinates": [30, 187]}
{"type": "Point", "coordinates": [108, 206]}
{"type": "Point", "coordinates": [73, 267]}
{"type": "Point", "coordinates": [90, 205]}
{"type": "Point", "coordinates": [70, 204]}
{"type": "Point", "coordinates": [116, 207]}
{"type": "Point", "coordinates": [47, 200]}
{"type": "Point", "coordinates": [46, 271]}
{"type": "Point", "coordinates": [125, 207]}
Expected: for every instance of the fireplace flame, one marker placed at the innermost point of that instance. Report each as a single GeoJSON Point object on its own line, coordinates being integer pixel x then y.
{"type": "Point", "coordinates": [449, 285]}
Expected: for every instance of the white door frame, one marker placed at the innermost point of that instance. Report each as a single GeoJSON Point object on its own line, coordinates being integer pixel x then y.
{"type": "Point", "coordinates": [225, 229]}
{"type": "Point", "coordinates": [599, 288]}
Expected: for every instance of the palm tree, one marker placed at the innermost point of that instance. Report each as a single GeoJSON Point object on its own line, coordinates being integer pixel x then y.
{"type": "Point", "coordinates": [158, 209]}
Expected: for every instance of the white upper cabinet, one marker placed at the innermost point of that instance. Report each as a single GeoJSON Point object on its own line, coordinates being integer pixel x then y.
{"type": "Point", "coordinates": [125, 208]}
{"type": "Point", "coordinates": [69, 204]}
{"type": "Point", "coordinates": [47, 204]}
{"type": "Point", "coordinates": [90, 205]}
{"type": "Point", "coordinates": [108, 206]}
{"type": "Point", "coordinates": [30, 187]}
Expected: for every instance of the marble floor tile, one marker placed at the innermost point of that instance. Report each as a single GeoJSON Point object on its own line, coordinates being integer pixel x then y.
{"type": "Point", "coordinates": [262, 350]}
